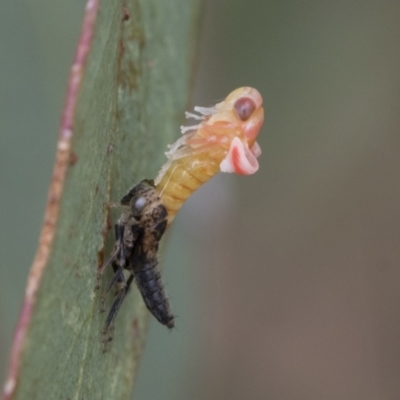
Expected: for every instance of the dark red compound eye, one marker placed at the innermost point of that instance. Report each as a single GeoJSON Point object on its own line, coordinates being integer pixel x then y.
{"type": "Point", "coordinates": [244, 108]}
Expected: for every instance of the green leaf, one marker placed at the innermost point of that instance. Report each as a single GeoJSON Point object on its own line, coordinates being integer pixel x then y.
{"type": "Point", "coordinates": [126, 97]}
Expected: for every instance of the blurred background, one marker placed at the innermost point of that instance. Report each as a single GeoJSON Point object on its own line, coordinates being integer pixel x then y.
{"type": "Point", "coordinates": [286, 283]}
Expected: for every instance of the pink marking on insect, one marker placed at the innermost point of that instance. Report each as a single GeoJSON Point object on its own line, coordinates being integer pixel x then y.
{"type": "Point", "coordinates": [240, 159]}
{"type": "Point", "coordinates": [229, 128]}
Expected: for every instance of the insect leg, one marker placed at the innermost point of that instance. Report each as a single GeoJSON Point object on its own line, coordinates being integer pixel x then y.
{"type": "Point", "coordinates": [117, 252]}
{"type": "Point", "coordinates": [110, 259]}
{"type": "Point", "coordinates": [117, 277]}
{"type": "Point", "coordinates": [114, 310]}
{"type": "Point", "coordinates": [117, 260]}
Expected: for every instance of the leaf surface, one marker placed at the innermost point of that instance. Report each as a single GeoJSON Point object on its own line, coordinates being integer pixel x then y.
{"type": "Point", "coordinates": [126, 96]}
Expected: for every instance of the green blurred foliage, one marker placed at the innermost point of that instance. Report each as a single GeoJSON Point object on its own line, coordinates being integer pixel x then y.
{"type": "Point", "coordinates": [37, 45]}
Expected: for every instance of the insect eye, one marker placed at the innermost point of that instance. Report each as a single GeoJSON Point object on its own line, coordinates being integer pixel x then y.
{"type": "Point", "coordinates": [244, 107]}
{"type": "Point", "coordinates": [139, 204]}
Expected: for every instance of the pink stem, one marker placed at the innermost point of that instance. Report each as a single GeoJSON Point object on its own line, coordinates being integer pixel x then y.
{"type": "Point", "coordinates": [53, 199]}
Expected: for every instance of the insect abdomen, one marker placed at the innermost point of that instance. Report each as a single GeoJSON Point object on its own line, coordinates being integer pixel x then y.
{"type": "Point", "coordinates": [183, 177]}
{"type": "Point", "coordinates": [148, 280]}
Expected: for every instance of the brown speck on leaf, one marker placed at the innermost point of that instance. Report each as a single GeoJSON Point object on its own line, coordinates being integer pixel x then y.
{"type": "Point", "coordinates": [107, 227]}
{"type": "Point", "coordinates": [71, 232]}
{"type": "Point", "coordinates": [110, 148]}
{"type": "Point", "coordinates": [121, 50]}
{"type": "Point", "coordinates": [73, 158]}
{"type": "Point", "coordinates": [78, 273]}
{"type": "Point", "coordinates": [67, 261]}
{"type": "Point", "coordinates": [104, 231]}
{"type": "Point", "coordinates": [100, 257]}
{"type": "Point", "coordinates": [137, 331]}
{"type": "Point", "coordinates": [125, 14]}
{"type": "Point", "coordinates": [109, 222]}
{"type": "Point", "coordinates": [135, 328]}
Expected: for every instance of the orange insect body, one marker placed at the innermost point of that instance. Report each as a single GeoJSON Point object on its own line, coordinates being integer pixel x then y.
{"type": "Point", "coordinates": [224, 140]}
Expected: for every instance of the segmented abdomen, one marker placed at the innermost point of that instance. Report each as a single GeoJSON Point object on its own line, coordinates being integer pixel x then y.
{"type": "Point", "coordinates": [148, 280]}
{"type": "Point", "coordinates": [184, 176]}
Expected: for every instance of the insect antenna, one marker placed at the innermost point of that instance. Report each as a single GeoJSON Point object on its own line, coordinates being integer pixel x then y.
{"type": "Point", "coordinates": [107, 263]}
{"type": "Point", "coordinates": [109, 324]}
{"type": "Point", "coordinates": [116, 278]}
